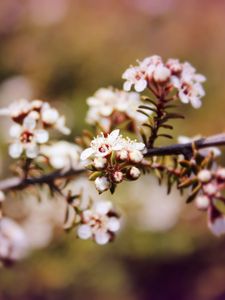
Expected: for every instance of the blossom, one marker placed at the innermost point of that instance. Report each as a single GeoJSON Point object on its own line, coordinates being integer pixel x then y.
{"type": "Point", "coordinates": [27, 138]}
{"type": "Point", "coordinates": [99, 222]}
{"type": "Point", "coordinates": [204, 175]}
{"type": "Point", "coordinates": [216, 221]}
{"type": "Point", "coordinates": [109, 106]}
{"type": "Point", "coordinates": [13, 241]}
{"type": "Point", "coordinates": [102, 146]}
{"type": "Point", "coordinates": [62, 155]}
{"type": "Point", "coordinates": [172, 74]}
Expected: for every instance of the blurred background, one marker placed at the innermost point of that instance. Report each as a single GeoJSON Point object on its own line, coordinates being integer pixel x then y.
{"type": "Point", "coordinates": [64, 50]}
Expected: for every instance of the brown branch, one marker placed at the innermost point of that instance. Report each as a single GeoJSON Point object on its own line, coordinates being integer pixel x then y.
{"type": "Point", "coordinates": [16, 183]}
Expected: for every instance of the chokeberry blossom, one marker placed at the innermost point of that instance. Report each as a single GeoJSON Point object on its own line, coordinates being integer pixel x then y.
{"type": "Point", "coordinates": [110, 107]}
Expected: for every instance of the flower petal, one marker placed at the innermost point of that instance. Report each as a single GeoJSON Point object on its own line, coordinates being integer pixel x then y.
{"type": "Point", "coordinates": [87, 153]}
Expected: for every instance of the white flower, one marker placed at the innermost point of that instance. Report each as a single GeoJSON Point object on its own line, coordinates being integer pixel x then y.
{"type": "Point", "coordinates": [17, 109]}
{"type": "Point", "coordinates": [27, 138]}
{"type": "Point", "coordinates": [134, 76]}
{"type": "Point", "coordinates": [174, 65]}
{"type": "Point", "coordinates": [108, 105]}
{"type": "Point", "coordinates": [189, 85]}
{"type": "Point", "coordinates": [134, 172]}
{"type": "Point", "coordinates": [204, 152]}
{"type": "Point", "coordinates": [102, 146]}
{"type": "Point", "coordinates": [134, 150]}
{"type": "Point", "coordinates": [13, 241]}
{"type": "Point", "coordinates": [202, 202]}
{"type": "Point", "coordinates": [204, 175]}
{"type": "Point", "coordinates": [62, 155]}
{"type": "Point", "coordinates": [99, 222]}
{"type": "Point", "coordinates": [102, 184]}
{"type": "Point", "coordinates": [217, 226]}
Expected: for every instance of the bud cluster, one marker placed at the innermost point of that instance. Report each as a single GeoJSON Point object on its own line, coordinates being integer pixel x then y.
{"type": "Point", "coordinates": [110, 107]}
{"type": "Point", "coordinates": [32, 120]}
{"type": "Point", "coordinates": [113, 159]}
{"type": "Point", "coordinates": [211, 198]}
{"type": "Point", "coordinates": [153, 72]}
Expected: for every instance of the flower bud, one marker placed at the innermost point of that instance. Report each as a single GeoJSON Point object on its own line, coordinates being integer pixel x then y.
{"type": "Point", "coordinates": [135, 156]}
{"type": "Point", "coordinates": [118, 176]}
{"type": "Point", "coordinates": [204, 175]}
{"type": "Point", "coordinates": [122, 155]}
{"type": "Point", "coordinates": [210, 189]}
{"type": "Point", "coordinates": [135, 172]}
{"type": "Point", "coordinates": [102, 184]}
{"type": "Point", "coordinates": [202, 202]}
{"type": "Point", "coordinates": [221, 173]}
{"type": "Point", "coordinates": [100, 162]}
{"type": "Point", "coordinates": [161, 74]}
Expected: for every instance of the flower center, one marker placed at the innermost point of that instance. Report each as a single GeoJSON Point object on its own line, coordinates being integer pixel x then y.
{"type": "Point", "coordinates": [26, 137]}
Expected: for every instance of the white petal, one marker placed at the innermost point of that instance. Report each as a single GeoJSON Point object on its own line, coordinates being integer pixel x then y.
{"type": "Point", "coordinates": [41, 136]}
{"type": "Point", "coordinates": [113, 135]}
{"type": "Point", "coordinates": [15, 130]}
{"type": "Point", "coordinates": [84, 232]}
{"type": "Point", "coordinates": [32, 150]}
{"type": "Point", "coordinates": [86, 153]}
{"type": "Point", "coordinates": [29, 123]}
{"type": "Point", "coordinates": [218, 226]}
{"type": "Point", "coordinates": [140, 85]}
{"type": "Point", "coordinates": [15, 150]}
{"type": "Point", "coordinates": [113, 224]}
{"type": "Point", "coordinates": [101, 237]}
{"type": "Point", "coordinates": [127, 86]}
{"type": "Point", "coordinates": [196, 102]}
{"type": "Point", "coordinates": [102, 207]}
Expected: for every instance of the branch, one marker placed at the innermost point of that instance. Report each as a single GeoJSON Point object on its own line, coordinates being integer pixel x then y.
{"type": "Point", "coordinates": [187, 149]}
{"type": "Point", "coordinates": [17, 183]}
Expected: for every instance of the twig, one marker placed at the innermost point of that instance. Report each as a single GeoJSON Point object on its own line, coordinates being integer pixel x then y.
{"type": "Point", "coordinates": [17, 183]}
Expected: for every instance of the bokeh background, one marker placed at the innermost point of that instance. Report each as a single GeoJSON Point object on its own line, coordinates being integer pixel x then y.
{"type": "Point", "coordinates": [62, 51]}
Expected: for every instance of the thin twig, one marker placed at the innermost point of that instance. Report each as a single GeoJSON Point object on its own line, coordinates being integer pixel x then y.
{"type": "Point", "coordinates": [17, 183]}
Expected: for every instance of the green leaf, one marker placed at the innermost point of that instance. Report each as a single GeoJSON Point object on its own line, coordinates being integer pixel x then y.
{"type": "Point", "coordinates": [220, 205]}
{"type": "Point", "coordinates": [94, 175]}
{"type": "Point", "coordinates": [193, 193]}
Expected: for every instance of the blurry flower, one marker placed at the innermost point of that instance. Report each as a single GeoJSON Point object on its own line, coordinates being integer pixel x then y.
{"type": "Point", "coordinates": [26, 138]}
{"type": "Point", "coordinates": [13, 241]}
{"type": "Point", "coordinates": [62, 155]}
{"type": "Point", "coordinates": [216, 221]}
{"type": "Point", "coordinates": [202, 202]}
{"type": "Point", "coordinates": [99, 222]}
{"type": "Point", "coordinates": [113, 107]}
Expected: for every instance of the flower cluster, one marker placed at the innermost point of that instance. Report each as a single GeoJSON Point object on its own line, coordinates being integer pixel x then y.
{"type": "Point", "coordinates": [109, 107]}
{"type": "Point", "coordinates": [113, 159]}
{"type": "Point", "coordinates": [212, 199]}
{"type": "Point", "coordinates": [153, 73]}
{"type": "Point", "coordinates": [32, 120]}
